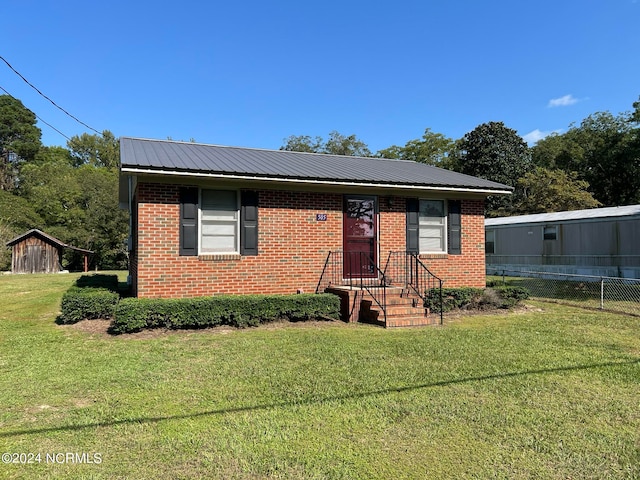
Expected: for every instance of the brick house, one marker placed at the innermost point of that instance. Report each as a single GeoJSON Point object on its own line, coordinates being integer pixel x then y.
{"type": "Point", "coordinates": [209, 220]}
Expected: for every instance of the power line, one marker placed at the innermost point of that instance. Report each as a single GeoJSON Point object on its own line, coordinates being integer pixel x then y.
{"type": "Point", "coordinates": [43, 95]}
{"type": "Point", "coordinates": [46, 123]}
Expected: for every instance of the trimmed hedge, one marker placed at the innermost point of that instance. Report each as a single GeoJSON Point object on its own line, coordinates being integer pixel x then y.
{"type": "Point", "coordinates": [98, 280]}
{"type": "Point", "coordinates": [475, 298]}
{"type": "Point", "coordinates": [92, 296]}
{"type": "Point", "coordinates": [135, 314]}
{"type": "Point", "coordinates": [87, 303]}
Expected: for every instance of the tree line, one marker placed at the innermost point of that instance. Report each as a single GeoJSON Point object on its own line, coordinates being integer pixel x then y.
{"type": "Point", "coordinates": [596, 163]}
{"type": "Point", "coordinates": [72, 192]}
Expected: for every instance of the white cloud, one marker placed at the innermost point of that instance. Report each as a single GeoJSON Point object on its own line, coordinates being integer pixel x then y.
{"type": "Point", "coordinates": [532, 137]}
{"type": "Point", "coordinates": [562, 101]}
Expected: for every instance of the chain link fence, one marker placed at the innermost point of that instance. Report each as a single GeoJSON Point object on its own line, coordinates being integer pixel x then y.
{"type": "Point", "coordinates": [604, 293]}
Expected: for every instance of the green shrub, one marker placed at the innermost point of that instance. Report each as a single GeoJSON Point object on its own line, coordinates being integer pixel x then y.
{"type": "Point", "coordinates": [452, 298]}
{"type": "Point", "coordinates": [87, 303]}
{"type": "Point", "coordinates": [468, 298]}
{"type": "Point", "coordinates": [134, 314]}
{"type": "Point", "coordinates": [511, 295]}
{"type": "Point", "coordinates": [98, 280]}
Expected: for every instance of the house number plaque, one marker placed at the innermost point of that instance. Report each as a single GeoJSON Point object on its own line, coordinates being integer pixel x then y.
{"type": "Point", "coordinates": [321, 217]}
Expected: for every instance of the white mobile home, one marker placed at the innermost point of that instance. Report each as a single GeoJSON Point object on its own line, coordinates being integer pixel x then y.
{"type": "Point", "coordinates": [599, 241]}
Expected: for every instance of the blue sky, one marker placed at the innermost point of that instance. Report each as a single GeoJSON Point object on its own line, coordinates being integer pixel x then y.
{"type": "Point", "coordinates": [251, 73]}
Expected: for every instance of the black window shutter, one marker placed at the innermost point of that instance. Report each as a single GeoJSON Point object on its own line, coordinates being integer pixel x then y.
{"type": "Point", "coordinates": [249, 223]}
{"type": "Point", "coordinates": [189, 221]}
{"type": "Point", "coordinates": [413, 210]}
{"type": "Point", "coordinates": [455, 227]}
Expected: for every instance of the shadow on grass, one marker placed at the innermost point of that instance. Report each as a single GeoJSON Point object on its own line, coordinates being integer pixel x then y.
{"type": "Point", "coordinates": [313, 401]}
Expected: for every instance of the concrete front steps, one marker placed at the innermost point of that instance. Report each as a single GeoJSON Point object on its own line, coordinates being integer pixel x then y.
{"type": "Point", "coordinates": [403, 310]}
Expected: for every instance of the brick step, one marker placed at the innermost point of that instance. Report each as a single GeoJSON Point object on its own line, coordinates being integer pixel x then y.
{"type": "Point", "coordinates": [412, 321]}
{"type": "Point", "coordinates": [375, 317]}
{"type": "Point", "coordinates": [395, 297]}
{"type": "Point", "coordinates": [395, 300]}
{"type": "Point", "coordinates": [393, 311]}
{"type": "Point", "coordinates": [402, 307]}
{"type": "Point", "coordinates": [401, 310]}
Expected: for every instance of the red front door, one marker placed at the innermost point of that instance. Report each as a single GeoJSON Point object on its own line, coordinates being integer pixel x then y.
{"type": "Point", "coordinates": [360, 237]}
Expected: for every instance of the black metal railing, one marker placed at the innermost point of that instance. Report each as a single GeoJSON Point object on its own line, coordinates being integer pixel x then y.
{"type": "Point", "coordinates": [406, 269]}
{"type": "Point", "coordinates": [403, 269]}
{"type": "Point", "coordinates": [355, 270]}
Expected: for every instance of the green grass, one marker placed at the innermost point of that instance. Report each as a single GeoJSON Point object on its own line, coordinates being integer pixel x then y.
{"type": "Point", "coordinates": [553, 392]}
{"type": "Point", "coordinates": [619, 296]}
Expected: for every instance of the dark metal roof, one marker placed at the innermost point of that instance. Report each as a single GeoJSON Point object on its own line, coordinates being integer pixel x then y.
{"type": "Point", "coordinates": [34, 232]}
{"type": "Point", "coordinates": [141, 155]}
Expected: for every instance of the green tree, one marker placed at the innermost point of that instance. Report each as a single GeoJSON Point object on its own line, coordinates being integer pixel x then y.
{"type": "Point", "coordinates": [635, 115]}
{"type": "Point", "coordinates": [497, 153]}
{"type": "Point", "coordinates": [303, 143]}
{"type": "Point", "coordinates": [96, 150]}
{"type": "Point", "coordinates": [432, 149]}
{"type": "Point", "coordinates": [336, 144]}
{"type": "Point", "coordinates": [19, 139]}
{"type": "Point", "coordinates": [105, 225]}
{"type": "Point", "coordinates": [604, 150]}
{"type": "Point", "coordinates": [79, 205]}
{"type": "Point", "coordinates": [339, 144]}
{"type": "Point", "coordinates": [545, 190]}
{"type": "Point", "coordinates": [52, 187]}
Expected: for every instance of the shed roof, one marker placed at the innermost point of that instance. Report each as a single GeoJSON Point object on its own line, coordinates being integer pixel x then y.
{"type": "Point", "coordinates": [573, 215]}
{"type": "Point", "coordinates": [34, 232]}
{"type": "Point", "coordinates": [182, 158]}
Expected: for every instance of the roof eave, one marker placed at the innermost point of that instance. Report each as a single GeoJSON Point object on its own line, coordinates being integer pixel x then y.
{"type": "Point", "coordinates": [308, 181]}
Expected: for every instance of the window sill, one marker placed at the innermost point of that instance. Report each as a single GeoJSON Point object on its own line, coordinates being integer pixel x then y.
{"type": "Point", "coordinates": [216, 257]}
{"type": "Point", "coordinates": [433, 255]}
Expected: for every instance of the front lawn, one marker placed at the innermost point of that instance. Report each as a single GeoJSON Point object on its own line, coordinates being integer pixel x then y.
{"type": "Point", "coordinates": [548, 392]}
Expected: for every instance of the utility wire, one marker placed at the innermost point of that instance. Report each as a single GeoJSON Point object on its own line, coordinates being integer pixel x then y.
{"type": "Point", "coordinates": [46, 123]}
{"type": "Point", "coordinates": [43, 95]}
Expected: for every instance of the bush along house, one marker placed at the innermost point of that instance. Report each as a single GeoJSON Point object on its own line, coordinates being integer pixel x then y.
{"type": "Point", "coordinates": [209, 220]}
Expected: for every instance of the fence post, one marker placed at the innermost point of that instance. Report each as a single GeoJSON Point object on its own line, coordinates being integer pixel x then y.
{"type": "Point", "coordinates": [601, 293]}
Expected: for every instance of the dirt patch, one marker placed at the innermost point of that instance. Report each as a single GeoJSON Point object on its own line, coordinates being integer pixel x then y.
{"type": "Point", "coordinates": [100, 328]}
{"type": "Point", "coordinates": [517, 310]}
{"type": "Point", "coordinates": [90, 326]}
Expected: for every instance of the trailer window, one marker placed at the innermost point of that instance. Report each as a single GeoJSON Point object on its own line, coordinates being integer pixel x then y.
{"type": "Point", "coordinates": [550, 233]}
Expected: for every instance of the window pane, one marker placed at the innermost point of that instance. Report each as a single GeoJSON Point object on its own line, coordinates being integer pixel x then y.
{"type": "Point", "coordinates": [218, 243]}
{"type": "Point", "coordinates": [550, 233]}
{"type": "Point", "coordinates": [431, 239]}
{"type": "Point", "coordinates": [218, 228]}
{"type": "Point", "coordinates": [431, 226]}
{"type": "Point", "coordinates": [432, 208]}
{"type": "Point", "coordinates": [219, 215]}
{"type": "Point", "coordinates": [219, 200]}
{"type": "Point", "coordinates": [219, 221]}
{"type": "Point", "coordinates": [489, 241]}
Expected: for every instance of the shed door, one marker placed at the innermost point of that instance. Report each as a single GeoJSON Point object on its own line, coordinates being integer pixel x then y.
{"type": "Point", "coordinates": [360, 243]}
{"type": "Point", "coordinates": [35, 261]}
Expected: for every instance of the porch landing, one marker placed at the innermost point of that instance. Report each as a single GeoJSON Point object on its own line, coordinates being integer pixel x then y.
{"type": "Point", "coordinates": [403, 309]}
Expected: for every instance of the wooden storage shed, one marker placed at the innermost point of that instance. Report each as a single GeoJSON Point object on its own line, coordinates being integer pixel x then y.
{"type": "Point", "coordinates": [37, 252]}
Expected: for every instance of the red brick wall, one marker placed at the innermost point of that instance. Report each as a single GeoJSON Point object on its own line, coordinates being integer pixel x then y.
{"type": "Point", "coordinates": [292, 246]}
{"type": "Point", "coordinates": [465, 270]}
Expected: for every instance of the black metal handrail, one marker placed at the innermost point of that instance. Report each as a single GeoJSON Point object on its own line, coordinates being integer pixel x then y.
{"type": "Point", "coordinates": [406, 268]}
{"type": "Point", "coordinates": [355, 270]}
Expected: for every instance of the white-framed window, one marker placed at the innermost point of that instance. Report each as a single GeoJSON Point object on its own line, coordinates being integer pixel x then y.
{"type": "Point", "coordinates": [432, 226]}
{"type": "Point", "coordinates": [219, 221]}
